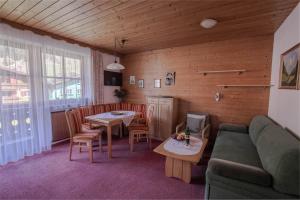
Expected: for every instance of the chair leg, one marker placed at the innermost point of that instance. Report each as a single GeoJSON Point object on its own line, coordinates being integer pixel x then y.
{"type": "Point", "coordinates": [121, 130]}
{"type": "Point", "coordinates": [150, 142]}
{"type": "Point", "coordinates": [131, 141]}
{"type": "Point", "coordinates": [80, 150]}
{"type": "Point", "coordinates": [70, 151]}
{"type": "Point", "coordinates": [100, 143]}
{"type": "Point", "coordinates": [129, 138]}
{"type": "Point", "coordinates": [90, 147]}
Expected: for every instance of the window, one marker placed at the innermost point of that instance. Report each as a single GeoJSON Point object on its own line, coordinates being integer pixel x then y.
{"type": "Point", "coordinates": [14, 75]}
{"type": "Point", "coordinates": [63, 76]}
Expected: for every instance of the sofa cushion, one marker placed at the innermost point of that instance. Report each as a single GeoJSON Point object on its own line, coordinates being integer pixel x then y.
{"type": "Point", "coordinates": [233, 128]}
{"type": "Point", "coordinates": [280, 156]}
{"type": "Point", "coordinates": [236, 147]}
{"type": "Point", "coordinates": [238, 171]}
{"type": "Point", "coordinates": [256, 126]}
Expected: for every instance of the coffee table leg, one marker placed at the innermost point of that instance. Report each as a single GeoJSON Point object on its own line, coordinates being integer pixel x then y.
{"type": "Point", "coordinates": [178, 169]}
{"type": "Point", "coordinates": [109, 142]}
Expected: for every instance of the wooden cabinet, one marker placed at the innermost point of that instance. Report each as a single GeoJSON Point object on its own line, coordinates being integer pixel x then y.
{"type": "Point", "coordinates": [164, 116]}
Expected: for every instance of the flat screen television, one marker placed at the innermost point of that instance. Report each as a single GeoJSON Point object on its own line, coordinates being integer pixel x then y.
{"type": "Point", "coordinates": [113, 78]}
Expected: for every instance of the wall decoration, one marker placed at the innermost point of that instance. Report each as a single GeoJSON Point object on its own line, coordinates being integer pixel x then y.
{"type": "Point", "coordinates": [132, 80]}
{"type": "Point", "coordinates": [157, 83]}
{"type": "Point", "coordinates": [289, 69]}
{"type": "Point", "coordinates": [141, 83]}
{"type": "Point", "coordinates": [170, 78]}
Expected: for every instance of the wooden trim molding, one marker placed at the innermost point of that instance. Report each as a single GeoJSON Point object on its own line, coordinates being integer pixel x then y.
{"type": "Point", "coordinates": [55, 36]}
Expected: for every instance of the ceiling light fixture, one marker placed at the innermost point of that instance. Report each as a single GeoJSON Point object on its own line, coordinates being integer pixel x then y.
{"type": "Point", "coordinates": [115, 65]}
{"type": "Point", "coordinates": [208, 23]}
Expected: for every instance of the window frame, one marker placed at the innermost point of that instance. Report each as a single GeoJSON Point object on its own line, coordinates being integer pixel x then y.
{"type": "Point", "coordinates": [64, 76]}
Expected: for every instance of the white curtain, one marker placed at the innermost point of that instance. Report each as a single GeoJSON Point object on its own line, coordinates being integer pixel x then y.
{"type": "Point", "coordinates": [26, 99]}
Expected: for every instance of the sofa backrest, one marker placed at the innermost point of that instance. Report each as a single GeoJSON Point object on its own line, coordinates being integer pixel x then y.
{"type": "Point", "coordinates": [279, 152]}
{"type": "Point", "coordinates": [257, 125]}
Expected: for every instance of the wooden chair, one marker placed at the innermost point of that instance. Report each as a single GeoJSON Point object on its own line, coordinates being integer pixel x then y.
{"type": "Point", "coordinates": [139, 129]}
{"type": "Point", "coordinates": [80, 137]}
{"type": "Point", "coordinates": [203, 132]}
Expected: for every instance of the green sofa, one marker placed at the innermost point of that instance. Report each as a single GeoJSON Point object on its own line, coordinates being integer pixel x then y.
{"type": "Point", "coordinates": [259, 162]}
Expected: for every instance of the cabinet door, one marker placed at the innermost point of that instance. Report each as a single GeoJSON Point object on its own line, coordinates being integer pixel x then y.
{"type": "Point", "coordinates": [155, 118]}
{"type": "Point", "coordinates": [165, 119]}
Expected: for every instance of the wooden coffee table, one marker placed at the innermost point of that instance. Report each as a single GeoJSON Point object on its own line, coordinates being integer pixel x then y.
{"type": "Point", "coordinates": [180, 166]}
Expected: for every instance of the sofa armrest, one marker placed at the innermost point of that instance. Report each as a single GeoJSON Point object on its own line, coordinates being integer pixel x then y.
{"type": "Point", "coordinates": [233, 127]}
{"type": "Point", "coordinates": [238, 171]}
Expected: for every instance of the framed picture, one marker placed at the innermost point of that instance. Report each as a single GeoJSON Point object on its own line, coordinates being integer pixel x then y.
{"type": "Point", "coordinates": [141, 83]}
{"type": "Point", "coordinates": [157, 83]}
{"type": "Point", "coordinates": [132, 80]}
{"type": "Point", "coordinates": [289, 69]}
{"type": "Point", "coordinates": [170, 78]}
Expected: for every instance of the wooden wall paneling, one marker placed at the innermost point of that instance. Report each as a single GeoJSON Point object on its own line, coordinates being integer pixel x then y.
{"type": "Point", "coordinates": [68, 17]}
{"type": "Point", "coordinates": [148, 24]}
{"type": "Point", "coordinates": [196, 92]}
{"type": "Point", "coordinates": [35, 10]}
{"type": "Point", "coordinates": [10, 6]}
{"type": "Point", "coordinates": [22, 9]}
{"type": "Point", "coordinates": [104, 9]}
{"type": "Point", "coordinates": [60, 129]}
{"type": "Point", "coordinates": [56, 16]}
{"type": "Point", "coordinates": [48, 11]}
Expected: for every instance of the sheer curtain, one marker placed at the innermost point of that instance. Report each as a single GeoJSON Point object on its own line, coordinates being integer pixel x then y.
{"type": "Point", "coordinates": [28, 92]}
{"type": "Point", "coordinates": [97, 77]}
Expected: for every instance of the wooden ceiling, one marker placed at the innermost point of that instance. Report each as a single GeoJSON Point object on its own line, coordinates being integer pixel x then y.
{"type": "Point", "coordinates": [147, 24]}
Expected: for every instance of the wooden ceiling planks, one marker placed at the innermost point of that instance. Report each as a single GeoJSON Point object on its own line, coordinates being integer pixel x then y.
{"type": "Point", "coordinates": [148, 24]}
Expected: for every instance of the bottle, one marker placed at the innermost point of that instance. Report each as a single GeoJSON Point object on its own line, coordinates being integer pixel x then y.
{"type": "Point", "coordinates": [187, 136]}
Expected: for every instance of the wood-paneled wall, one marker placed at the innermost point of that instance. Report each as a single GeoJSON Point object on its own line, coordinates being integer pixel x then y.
{"type": "Point", "coordinates": [195, 91]}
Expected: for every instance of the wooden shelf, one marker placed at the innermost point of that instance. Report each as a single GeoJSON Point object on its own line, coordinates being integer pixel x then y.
{"type": "Point", "coordinates": [226, 86]}
{"type": "Point", "coordinates": [239, 71]}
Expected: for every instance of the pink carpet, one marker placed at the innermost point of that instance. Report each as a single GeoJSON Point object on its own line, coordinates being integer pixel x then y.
{"type": "Point", "coordinates": [136, 175]}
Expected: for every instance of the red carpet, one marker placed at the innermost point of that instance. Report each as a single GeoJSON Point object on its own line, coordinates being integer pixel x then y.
{"type": "Point", "coordinates": [136, 175]}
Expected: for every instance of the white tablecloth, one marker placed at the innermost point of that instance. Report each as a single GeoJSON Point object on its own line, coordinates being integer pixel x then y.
{"type": "Point", "coordinates": [126, 117]}
{"type": "Point", "coordinates": [180, 147]}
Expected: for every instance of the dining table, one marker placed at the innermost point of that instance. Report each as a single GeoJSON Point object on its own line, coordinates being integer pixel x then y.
{"type": "Point", "coordinates": [110, 119]}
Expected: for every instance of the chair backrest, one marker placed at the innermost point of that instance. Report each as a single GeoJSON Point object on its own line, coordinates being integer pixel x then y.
{"type": "Point", "coordinates": [73, 123]}
{"type": "Point", "coordinates": [85, 111]}
{"type": "Point", "coordinates": [150, 112]}
{"type": "Point", "coordinates": [196, 121]}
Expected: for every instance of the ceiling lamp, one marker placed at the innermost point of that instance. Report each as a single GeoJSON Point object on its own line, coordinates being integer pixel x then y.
{"type": "Point", "coordinates": [115, 65]}
{"type": "Point", "coordinates": [208, 23]}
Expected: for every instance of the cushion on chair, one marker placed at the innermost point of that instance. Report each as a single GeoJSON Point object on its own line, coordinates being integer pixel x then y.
{"type": "Point", "coordinates": [137, 126]}
{"type": "Point", "coordinates": [90, 126]}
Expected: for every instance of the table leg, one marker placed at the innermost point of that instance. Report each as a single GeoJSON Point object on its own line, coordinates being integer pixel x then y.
{"type": "Point", "coordinates": [121, 130]}
{"type": "Point", "coordinates": [109, 148]}
{"type": "Point", "coordinates": [178, 169]}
